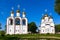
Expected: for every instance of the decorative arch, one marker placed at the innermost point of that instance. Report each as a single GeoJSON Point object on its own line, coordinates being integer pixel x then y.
{"type": "Point", "coordinates": [10, 21]}
{"type": "Point", "coordinates": [17, 21]}
{"type": "Point", "coordinates": [23, 22]}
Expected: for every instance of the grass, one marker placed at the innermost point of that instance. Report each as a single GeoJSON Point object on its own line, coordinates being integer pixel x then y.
{"type": "Point", "coordinates": [36, 35]}
{"type": "Point", "coordinates": [44, 36]}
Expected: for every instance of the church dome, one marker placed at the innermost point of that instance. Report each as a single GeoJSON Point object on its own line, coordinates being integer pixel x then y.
{"type": "Point", "coordinates": [18, 11]}
{"type": "Point", "coordinates": [24, 13]}
{"type": "Point", "coordinates": [50, 17]}
{"type": "Point", "coordinates": [46, 15]}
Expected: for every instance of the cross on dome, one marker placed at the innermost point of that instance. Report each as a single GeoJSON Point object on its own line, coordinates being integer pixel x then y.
{"type": "Point", "coordinates": [18, 11]}
{"type": "Point", "coordinates": [24, 11]}
{"type": "Point", "coordinates": [18, 6]}
{"type": "Point", "coordinates": [45, 10]}
{"type": "Point", "coordinates": [12, 8]}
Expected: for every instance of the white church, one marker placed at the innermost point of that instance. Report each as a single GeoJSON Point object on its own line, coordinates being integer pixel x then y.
{"type": "Point", "coordinates": [18, 24]}
{"type": "Point", "coordinates": [47, 25]}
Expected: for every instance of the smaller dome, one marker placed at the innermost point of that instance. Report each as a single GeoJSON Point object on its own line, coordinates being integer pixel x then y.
{"type": "Point", "coordinates": [24, 13]}
{"type": "Point", "coordinates": [12, 12]}
{"type": "Point", "coordinates": [50, 17]}
{"type": "Point", "coordinates": [46, 15]}
{"type": "Point", "coordinates": [18, 11]}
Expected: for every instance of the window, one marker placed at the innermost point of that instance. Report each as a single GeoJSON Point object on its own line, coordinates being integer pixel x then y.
{"type": "Point", "coordinates": [43, 30]}
{"type": "Point", "coordinates": [52, 30]}
{"type": "Point", "coordinates": [10, 21]}
{"type": "Point", "coordinates": [17, 21]}
{"type": "Point", "coordinates": [23, 30]}
{"type": "Point", "coordinates": [23, 22]}
{"type": "Point", "coordinates": [10, 30]}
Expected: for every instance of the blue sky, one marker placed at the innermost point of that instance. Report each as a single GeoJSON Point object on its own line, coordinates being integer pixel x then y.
{"type": "Point", "coordinates": [34, 10]}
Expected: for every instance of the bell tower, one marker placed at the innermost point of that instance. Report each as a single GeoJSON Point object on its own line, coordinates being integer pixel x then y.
{"type": "Point", "coordinates": [24, 23]}
{"type": "Point", "coordinates": [10, 23]}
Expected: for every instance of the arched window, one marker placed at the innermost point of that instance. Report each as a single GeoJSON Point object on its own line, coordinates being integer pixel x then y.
{"type": "Point", "coordinates": [10, 21]}
{"type": "Point", "coordinates": [17, 21]}
{"type": "Point", "coordinates": [23, 22]}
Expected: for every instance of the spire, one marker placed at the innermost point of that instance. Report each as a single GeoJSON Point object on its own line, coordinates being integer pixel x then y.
{"type": "Point", "coordinates": [50, 15]}
{"type": "Point", "coordinates": [18, 11]}
{"type": "Point", "coordinates": [12, 12]}
{"type": "Point", "coordinates": [46, 13]}
{"type": "Point", "coordinates": [46, 10]}
{"type": "Point", "coordinates": [24, 12]}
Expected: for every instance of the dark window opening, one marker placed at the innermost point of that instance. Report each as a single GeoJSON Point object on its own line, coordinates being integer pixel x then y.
{"type": "Point", "coordinates": [47, 24]}
{"type": "Point", "coordinates": [11, 21]}
{"type": "Point", "coordinates": [23, 22]}
{"type": "Point", "coordinates": [17, 21]}
{"type": "Point", "coordinates": [43, 30]}
{"type": "Point", "coordinates": [10, 30]}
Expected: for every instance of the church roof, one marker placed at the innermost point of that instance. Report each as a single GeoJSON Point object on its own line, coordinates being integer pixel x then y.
{"type": "Point", "coordinates": [50, 17]}
{"type": "Point", "coordinates": [46, 15]}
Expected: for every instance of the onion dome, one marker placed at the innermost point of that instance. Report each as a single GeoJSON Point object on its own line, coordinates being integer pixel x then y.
{"type": "Point", "coordinates": [50, 17]}
{"type": "Point", "coordinates": [18, 11]}
{"type": "Point", "coordinates": [24, 13]}
{"type": "Point", "coordinates": [46, 15]}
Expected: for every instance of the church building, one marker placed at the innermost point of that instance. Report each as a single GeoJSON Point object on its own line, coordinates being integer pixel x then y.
{"type": "Point", "coordinates": [47, 25]}
{"type": "Point", "coordinates": [18, 24]}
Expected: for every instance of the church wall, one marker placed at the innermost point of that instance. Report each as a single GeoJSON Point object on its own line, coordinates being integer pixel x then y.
{"type": "Point", "coordinates": [18, 28]}
{"type": "Point", "coordinates": [47, 25]}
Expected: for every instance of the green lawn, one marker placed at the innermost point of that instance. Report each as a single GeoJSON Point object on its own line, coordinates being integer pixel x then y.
{"type": "Point", "coordinates": [53, 36]}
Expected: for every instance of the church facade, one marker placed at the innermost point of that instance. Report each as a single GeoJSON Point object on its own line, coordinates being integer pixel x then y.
{"type": "Point", "coordinates": [17, 25]}
{"type": "Point", "coordinates": [47, 25]}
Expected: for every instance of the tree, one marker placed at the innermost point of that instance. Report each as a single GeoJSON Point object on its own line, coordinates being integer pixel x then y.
{"type": "Point", "coordinates": [57, 6]}
{"type": "Point", "coordinates": [32, 27]}
{"type": "Point", "coordinates": [57, 28]}
{"type": "Point", "coordinates": [5, 28]}
{"type": "Point", "coordinates": [0, 26]}
{"type": "Point", "coordinates": [2, 33]}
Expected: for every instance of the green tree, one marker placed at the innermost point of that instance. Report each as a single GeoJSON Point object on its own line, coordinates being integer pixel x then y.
{"type": "Point", "coordinates": [0, 26]}
{"type": "Point", "coordinates": [2, 33]}
{"type": "Point", "coordinates": [57, 28]}
{"type": "Point", "coordinates": [32, 27]}
{"type": "Point", "coordinates": [57, 6]}
{"type": "Point", "coordinates": [5, 28]}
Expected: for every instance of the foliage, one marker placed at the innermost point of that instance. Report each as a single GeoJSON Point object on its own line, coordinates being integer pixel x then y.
{"type": "Point", "coordinates": [57, 6]}
{"type": "Point", "coordinates": [32, 27]}
{"type": "Point", "coordinates": [0, 26]}
{"type": "Point", "coordinates": [57, 28]}
{"type": "Point", "coordinates": [2, 33]}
